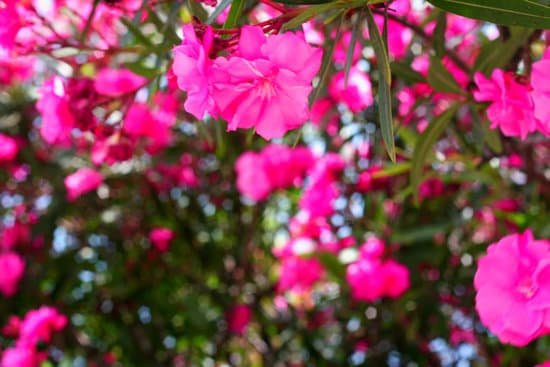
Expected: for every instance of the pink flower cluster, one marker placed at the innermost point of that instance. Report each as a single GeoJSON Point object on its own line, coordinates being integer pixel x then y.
{"type": "Point", "coordinates": [372, 278]}
{"type": "Point", "coordinates": [513, 288]}
{"type": "Point", "coordinates": [81, 182]}
{"type": "Point", "coordinates": [263, 84]}
{"type": "Point", "coordinates": [517, 109]}
{"type": "Point", "coordinates": [38, 326]}
{"type": "Point", "coordinates": [275, 167]}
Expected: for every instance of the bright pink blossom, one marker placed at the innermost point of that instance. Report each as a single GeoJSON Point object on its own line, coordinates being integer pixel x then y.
{"type": "Point", "coordinates": [238, 318]}
{"type": "Point", "coordinates": [12, 266]}
{"type": "Point", "coordinates": [10, 24]}
{"type": "Point", "coordinates": [512, 108]}
{"type": "Point", "coordinates": [8, 148]}
{"type": "Point", "coordinates": [161, 238]}
{"type": "Point", "coordinates": [20, 357]}
{"type": "Point", "coordinates": [39, 326]}
{"type": "Point", "coordinates": [357, 95]}
{"type": "Point", "coordinates": [396, 279]}
{"type": "Point", "coordinates": [266, 86]}
{"type": "Point", "coordinates": [299, 274]}
{"type": "Point", "coordinates": [513, 288]}
{"type": "Point", "coordinates": [81, 182]}
{"type": "Point", "coordinates": [192, 65]}
{"type": "Point", "coordinates": [117, 82]}
{"type": "Point", "coordinates": [540, 79]}
{"type": "Point", "coordinates": [57, 118]}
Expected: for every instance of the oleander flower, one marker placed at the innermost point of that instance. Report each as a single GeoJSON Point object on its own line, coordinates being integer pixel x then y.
{"type": "Point", "coordinates": [513, 288]}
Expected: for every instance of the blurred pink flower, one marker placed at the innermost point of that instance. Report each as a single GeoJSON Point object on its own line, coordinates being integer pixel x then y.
{"type": "Point", "coordinates": [117, 82]}
{"type": "Point", "coordinates": [12, 266]}
{"type": "Point", "coordinates": [20, 357]}
{"type": "Point", "coordinates": [238, 318]}
{"type": "Point", "coordinates": [298, 274]}
{"type": "Point", "coordinates": [8, 148]}
{"type": "Point", "coordinates": [81, 182]}
{"type": "Point", "coordinates": [513, 288]}
{"type": "Point", "coordinates": [39, 326]}
{"type": "Point", "coordinates": [57, 118]}
{"type": "Point", "coordinates": [357, 95]}
{"type": "Point", "coordinates": [161, 238]}
{"type": "Point", "coordinates": [10, 24]}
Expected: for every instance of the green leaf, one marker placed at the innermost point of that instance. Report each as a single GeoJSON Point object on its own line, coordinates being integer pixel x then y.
{"type": "Point", "coordinates": [492, 137]}
{"type": "Point", "coordinates": [424, 145]}
{"type": "Point", "coordinates": [235, 12]}
{"type": "Point", "coordinates": [499, 53]}
{"type": "Point", "coordinates": [439, 35]}
{"type": "Point", "coordinates": [309, 13]}
{"type": "Point", "coordinates": [303, 2]}
{"type": "Point", "coordinates": [384, 85]}
{"type": "Point", "coordinates": [441, 79]}
{"type": "Point", "coordinates": [527, 13]}
{"type": "Point", "coordinates": [351, 48]}
{"type": "Point", "coordinates": [406, 73]}
{"type": "Point", "coordinates": [219, 9]}
{"type": "Point", "coordinates": [138, 68]}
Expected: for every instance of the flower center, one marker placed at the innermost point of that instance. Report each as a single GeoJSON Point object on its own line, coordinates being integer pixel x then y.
{"type": "Point", "coordinates": [266, 89]}
{"type": "Point", "coordinates": [526, 287]}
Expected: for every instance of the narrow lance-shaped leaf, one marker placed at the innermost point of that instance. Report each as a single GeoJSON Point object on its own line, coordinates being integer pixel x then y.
{"type": "Point", "coordinates": [351, 48]}
{"type": "Point", "coordinates": [425, 144]}
{"type": "Point", "coordinates": [384, 85]}
{"type": "Point", "coordinates": [439, 35]}
{"type": "Point", "coordinates": [526, 13]}
{"type": "Point", "coordinates": [234, 13]}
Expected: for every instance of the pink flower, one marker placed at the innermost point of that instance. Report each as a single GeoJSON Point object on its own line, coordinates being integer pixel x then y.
{"type": "Point", "coordinates": [238, 318]}
{"type": "Point", "coordinates": [12, 266]}
{"type": "Point", "coordinates": [540, 79]}
{"type": "Point", "coordinates": [81, 182]}
{"type": "Point", "coordinates": [318, 197]}
{"type": "Point", "coordinates": [39, 326]}
{"type": "Point", "coordinates": [161, 238]}
{"type": "Point", "coordinates": [513, 288]}
{"type": "Point", "coordinates": [10, 24]}
{"type": "Point", "coordinates": [299, 274]}
{"type": "Point", "coordinates": [511, 109]}
{"type": "Point", "coordinates": [396, 279]}
{"type": "Point", "coordinates": [140, 122]}
{"type": "Point", "coordinates": [545, 364]}
{"type": "Point", "coordinates": [192, 68]}
{"type": "Point", "coordinates": [252, 178]}
{"type": "Point", "coordinates": [20, 357]}
{"type": "Point", "coordinates": [365, 280]}
{"type": "Point", "coordinates": [57, 118]}
{"type": "Point", "coordinates": [267, 85]}
{"type": "Point", "coordinates": [8, 148]}
{"type": "Point", "coordinates": [117, 82]}
{"type": "Point", "coordinates": [276, 167]}
{"type": "Point", "coordinates": [357, 95]}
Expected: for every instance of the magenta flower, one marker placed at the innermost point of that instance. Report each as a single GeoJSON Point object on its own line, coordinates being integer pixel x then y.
{"type": "Point", "coordinates": [81, 182]}
{"type": "Point", "coordinates": [161, 238]}
{"type": "Point", "coordinates": [252, 178]}
{"type": "Point", "coordinates": [513, 288]}
{"type": "Point", "coordinates": [8, 148]}
{"type": "Point", "coordinates": [57, 118]}
{"type": "Point", "coordinates": [395, 278]}
{"type": "Point", "coordinates": [12, 266]}
{"type": "Point", "coordinates": [39, 326]}
{"type": "Point", "coordinates": [117, 82]}
{"type": "Point", "coordinates": [10, 24]}
{"type": "Point", "coordinates": [540, 79]}
{"type": "Point", "coordinates": [267, 84]}
{"type": "Point", "coordinates": [512, 108]}
{"type": "Point", "coordinates": [238, 317]}
{"type": "Point", "coordinates": [192, 68]}
{"type": "Point", "coordinates": [20, 357]}
{"type": "Point", "coordinates": [357, 95]}
{"type": "Point", "coordinates": [298, 274]}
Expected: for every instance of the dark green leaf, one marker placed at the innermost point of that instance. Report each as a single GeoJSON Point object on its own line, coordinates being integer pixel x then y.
{"type": "Point", "coordinates": [136, 32]}
{"type": "Point", "coordinates": [309, 13]}
{"type": "Point", "coordinates": [384, 85]}
{"type": "Point", "coordinates": [219, 9]}
{"type": "Point", "coordinates": [439, 35]}
{"type": "Point", "coordinates": [406, 73]}
{"type": "Point", "coordinates": [499, 53]}
{"type": "Point", "coordinates": [526, 13]}
{"type": "Point", "coordinates": [357, 25]}
{"type": "Point", "coordinates": [424, 146]}
{"type": "Point", "coordinates": [235, 12]}
{"type": "Point", "coordinates": [441, 79]}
